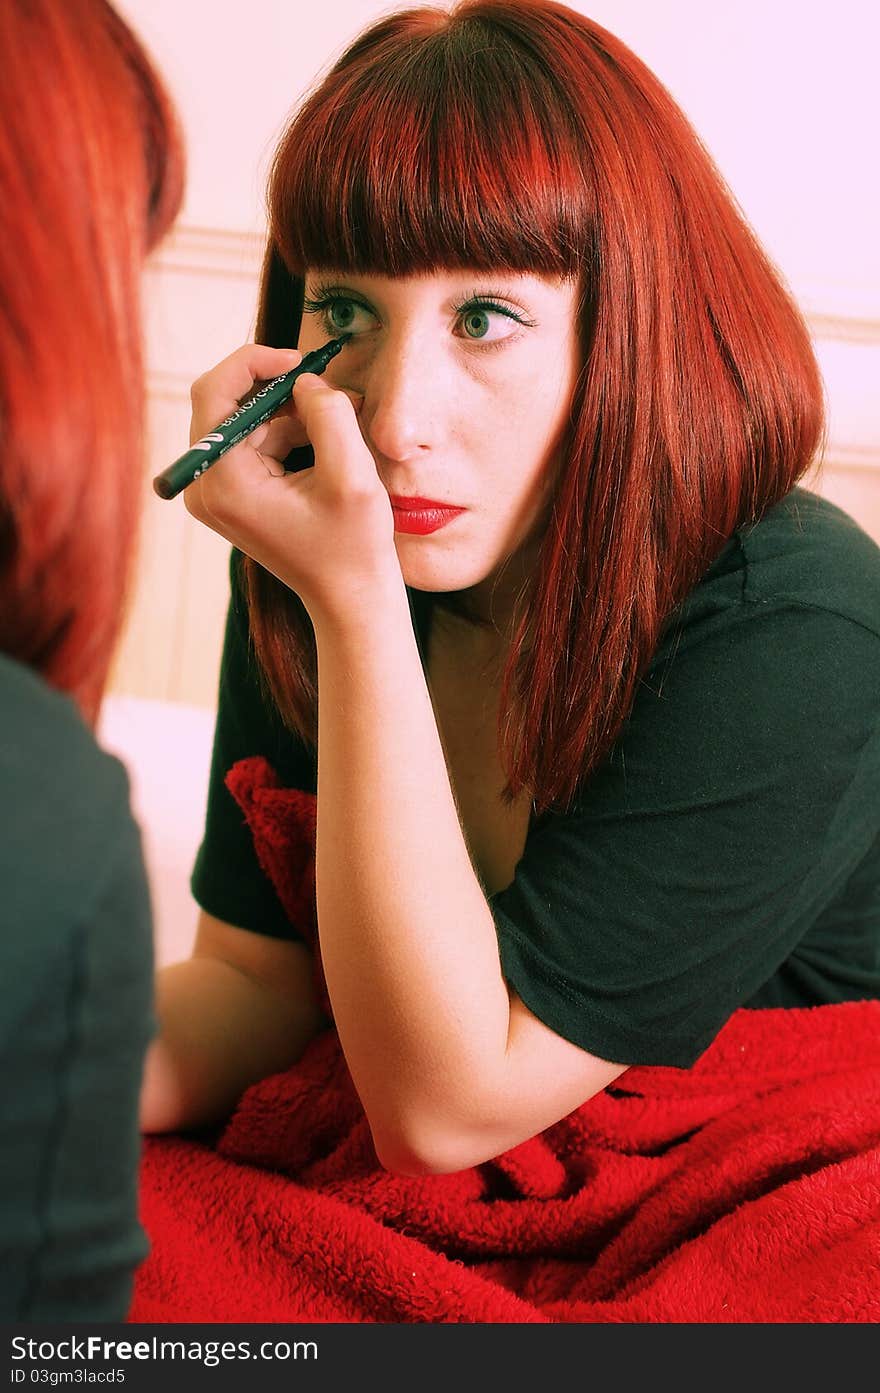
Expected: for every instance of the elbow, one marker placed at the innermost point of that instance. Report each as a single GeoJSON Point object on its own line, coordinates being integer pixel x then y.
{"type": "Point", "coordinates": [396, 1164]}
{"type": "Point", "coordinates": [433, 1135]}
{"type": "Point", "coordinates": [163, 1104]}
{"type": "Point", "coordinates": [409, 1163]}
{"type": "Point", "coordinates": [408, 1155]}
{"type": "Point", "coordinates": [158, 1109]}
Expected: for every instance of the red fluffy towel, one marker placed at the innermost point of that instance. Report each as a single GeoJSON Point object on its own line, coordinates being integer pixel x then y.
{"type": "Point", "coordinates": [745, 1188]}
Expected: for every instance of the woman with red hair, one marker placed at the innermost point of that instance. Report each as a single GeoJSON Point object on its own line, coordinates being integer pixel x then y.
{"type": "Point", "coordinates": [527, 596]}
{"type": "Point", "coordinates": [90, 177]}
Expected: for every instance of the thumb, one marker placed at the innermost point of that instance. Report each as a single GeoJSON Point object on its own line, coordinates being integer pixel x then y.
{"type": "Point", "coordinates": [330, 416]}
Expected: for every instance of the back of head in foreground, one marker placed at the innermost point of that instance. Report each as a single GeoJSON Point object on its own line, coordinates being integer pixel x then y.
{"type": "Point", "coordinates": [91, 174]}
{"type": "Point", "coordinates": [520, 135]}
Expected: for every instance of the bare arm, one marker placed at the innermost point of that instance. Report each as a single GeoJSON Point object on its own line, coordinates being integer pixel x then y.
{"type": "Point", "coordinates": [450, 1065]}
{"type": "Point", "coordinates": [243, 1006]}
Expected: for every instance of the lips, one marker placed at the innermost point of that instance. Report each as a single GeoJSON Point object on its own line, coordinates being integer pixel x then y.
{"type": "Point", "coordinates": [418, 504]}
{"type": "Point", "coordinates": [421, 515]}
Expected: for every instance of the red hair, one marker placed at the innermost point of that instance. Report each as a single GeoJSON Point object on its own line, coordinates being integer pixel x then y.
{"type": "Point", "coordinates": [91, 175]}
{"type": "Point", "coordinates": [518, 134]}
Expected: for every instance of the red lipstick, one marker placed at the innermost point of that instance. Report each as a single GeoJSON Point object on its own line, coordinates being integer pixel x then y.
{"type": "Point", "coordinates": [421, 515]}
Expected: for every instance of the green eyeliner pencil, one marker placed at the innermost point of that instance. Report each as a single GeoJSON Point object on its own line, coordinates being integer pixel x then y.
{"type": "Point", "coordinates": [247, 417]}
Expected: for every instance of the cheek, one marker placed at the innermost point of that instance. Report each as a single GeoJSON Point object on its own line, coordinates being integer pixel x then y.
{"type": "Point", "coordinates": [517, 473]}
{"type": "Point", "coordinates": [530, 430]}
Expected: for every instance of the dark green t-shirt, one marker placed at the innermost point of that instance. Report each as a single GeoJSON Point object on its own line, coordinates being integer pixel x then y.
{"type": "Point", "coordinates": [76, 1013]}
{"type": "Point", "coordinates": [726, 854]}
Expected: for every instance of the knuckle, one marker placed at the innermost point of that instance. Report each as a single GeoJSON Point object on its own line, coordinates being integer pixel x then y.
{"type": "Point", "coordinates": [223, 501]}
{"type": "Point", "coordinates": [323, 404]}
{"type": "Point", "coordinates": [322, 397]}
{"type": "Point", "coordinates": [192, 501]}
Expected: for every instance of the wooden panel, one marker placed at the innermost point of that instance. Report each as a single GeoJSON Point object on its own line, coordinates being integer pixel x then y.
{"type": "Point", "coordinates": [200, 293]}
{"type": "Point", "coordinates": [170, 648]}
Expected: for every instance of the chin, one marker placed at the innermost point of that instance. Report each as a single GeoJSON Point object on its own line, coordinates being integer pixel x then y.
{"type": "Point", "coordinates": [438, 575]}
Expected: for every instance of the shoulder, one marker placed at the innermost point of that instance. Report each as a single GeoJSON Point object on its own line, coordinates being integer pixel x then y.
{"type": "Point", "coordinates": [804, 570]}
{"type": "Point", "coordinates": [808, 551]}
{"type": "Point", "coordinates": [68, 823]}
{"type": "Point", "coordinates": [48, 748]}
{"type": "Point", "coordinates": [804, 551]}
{"type": "Point", "coordinates": [775, 652]}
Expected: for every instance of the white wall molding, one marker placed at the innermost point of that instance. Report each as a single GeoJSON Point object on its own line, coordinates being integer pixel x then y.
{"type": "Point", "coordinates": [843, 328]}
{"type": "Point", "coordinates": [175, 387]}
{"type": "Point", "coordinates": [857, 457]}
{"type": "Point", "coordinates": [210, 251]}
{"type": "Point", "coordinates": [833, 311]}
{"type": "Point", "coordinates": [169, 386]}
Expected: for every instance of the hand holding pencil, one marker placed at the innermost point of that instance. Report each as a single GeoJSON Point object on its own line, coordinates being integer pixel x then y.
{"type": "Point", "coordinates": [247, 416]}
{"type": "Point", "coordinates": [327, 531]}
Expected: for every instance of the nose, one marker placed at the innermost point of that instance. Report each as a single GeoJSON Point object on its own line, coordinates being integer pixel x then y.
{"type": "Point", "coordinates": [404, 389]}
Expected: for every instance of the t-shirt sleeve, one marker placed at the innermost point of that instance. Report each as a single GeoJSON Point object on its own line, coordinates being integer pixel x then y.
{"type": "Point", "coordinates": [734, 806]}
{"type": "Point", "coordinates": [227, 880]}
{"type": "Point", "coordinates": [77, 1056]}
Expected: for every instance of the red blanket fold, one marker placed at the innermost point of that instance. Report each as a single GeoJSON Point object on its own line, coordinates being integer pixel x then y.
{"type": "Point", "coordinates": [746, 1188]}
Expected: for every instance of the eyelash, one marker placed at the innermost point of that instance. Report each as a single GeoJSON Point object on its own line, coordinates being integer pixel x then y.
{"type": "Point", "coordinates": [327, 295]}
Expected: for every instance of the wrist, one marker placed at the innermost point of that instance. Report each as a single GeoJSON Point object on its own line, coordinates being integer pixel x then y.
{"type": "Point", "coordinates": [382, 600]}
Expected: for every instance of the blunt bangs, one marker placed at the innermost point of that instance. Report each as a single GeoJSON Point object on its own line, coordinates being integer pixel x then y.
{"type": "Point", "coordinates": [457, 149]}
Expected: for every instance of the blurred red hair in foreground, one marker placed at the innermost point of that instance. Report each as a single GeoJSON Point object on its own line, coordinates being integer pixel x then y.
{"type": "Point", "coordinates": [91, 176]}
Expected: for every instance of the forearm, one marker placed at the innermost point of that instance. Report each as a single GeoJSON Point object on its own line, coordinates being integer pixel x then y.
{"type": "Point", "coordinates": [219, 1031]}
{"type": "Point", "coordinates": [407, 939]}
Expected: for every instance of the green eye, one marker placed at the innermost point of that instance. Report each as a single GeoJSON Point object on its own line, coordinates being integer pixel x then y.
{"type": "Point", "coordinates": [481, 320]}
{"type": "Point", "coordinates": [336, 311]}
{"type": "Point", "coordinates": [476, 323]}
{"type": "Point", "coordinates": [341, 317]}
